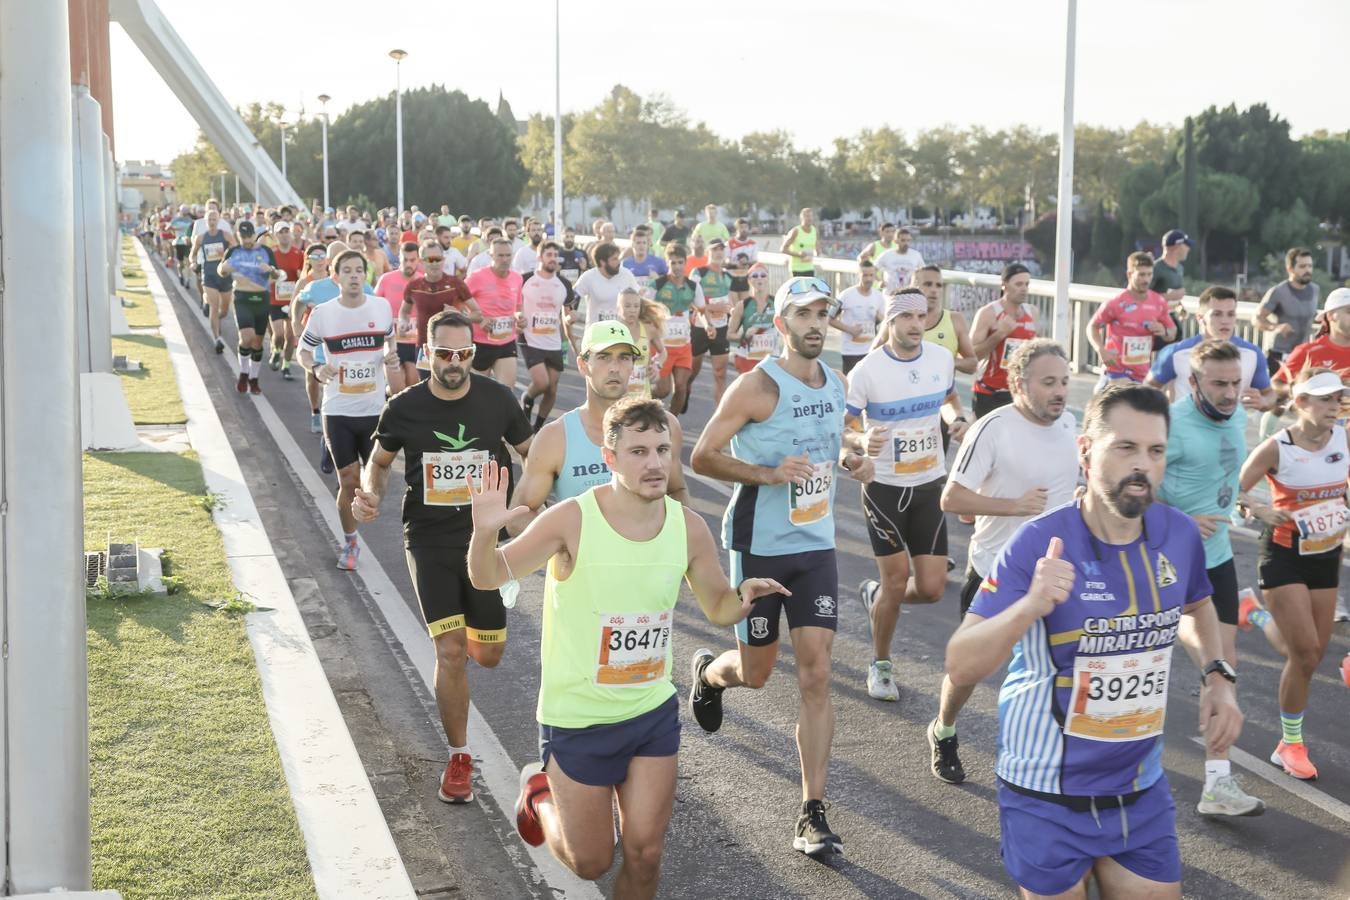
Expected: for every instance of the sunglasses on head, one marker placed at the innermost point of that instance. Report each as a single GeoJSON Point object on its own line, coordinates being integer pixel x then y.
{"type": "Point", "coordinates": [453, 354]}
{"type": "Point", "coordinates": [807, 285]}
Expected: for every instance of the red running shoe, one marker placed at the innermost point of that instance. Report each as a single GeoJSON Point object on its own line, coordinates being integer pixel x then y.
{"type": "Point", "coordinates": [533, 788]}
{"type": "Point", "coordinates": [457, 780]}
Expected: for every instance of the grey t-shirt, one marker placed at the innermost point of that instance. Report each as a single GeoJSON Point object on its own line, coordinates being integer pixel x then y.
{"type": "Point", "coordinates": [1297, 306]}
{"type": "Point", "coordinates": [1167, 278]}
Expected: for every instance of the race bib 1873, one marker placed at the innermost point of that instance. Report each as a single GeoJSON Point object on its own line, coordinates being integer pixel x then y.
{"type": "Point", "coordinates": [1321, 527]}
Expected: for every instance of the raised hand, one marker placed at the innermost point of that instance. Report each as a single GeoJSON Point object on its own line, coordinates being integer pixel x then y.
{"type": "Point", "coordinates": [487, 498]}
{"type": "Point", "coordinates": [1053, 580]}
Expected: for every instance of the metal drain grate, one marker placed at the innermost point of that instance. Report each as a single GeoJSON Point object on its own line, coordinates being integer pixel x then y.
{"type": "Point", "coordinates": [95, 567]}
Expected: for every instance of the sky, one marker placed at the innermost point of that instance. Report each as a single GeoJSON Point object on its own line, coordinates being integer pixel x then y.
{"type": "Point", "coordinates": [820, 70]}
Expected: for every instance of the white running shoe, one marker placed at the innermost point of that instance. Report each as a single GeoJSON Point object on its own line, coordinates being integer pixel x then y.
{"type": "Point", "coordinates": [1227, 798]}
{"type": "Point", "coordinates": [880, 684]}
{"type": "Point", "coordinates": [1342, 614]}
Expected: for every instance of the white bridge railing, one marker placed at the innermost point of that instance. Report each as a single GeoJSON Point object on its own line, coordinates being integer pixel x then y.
{"type": "Point", "coordinates": [966, 292]}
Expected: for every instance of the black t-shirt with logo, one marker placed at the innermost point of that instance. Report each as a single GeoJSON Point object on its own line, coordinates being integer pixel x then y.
{"type": "Point", "coordinates": [417, 422]}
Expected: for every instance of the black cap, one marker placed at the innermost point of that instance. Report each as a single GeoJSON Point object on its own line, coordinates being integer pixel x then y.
{"type": "Point", "coordinates": [245, 228]}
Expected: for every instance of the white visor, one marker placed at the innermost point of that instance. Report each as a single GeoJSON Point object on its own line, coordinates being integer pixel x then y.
{"type": "Point", "coordinates": [1320, 385]}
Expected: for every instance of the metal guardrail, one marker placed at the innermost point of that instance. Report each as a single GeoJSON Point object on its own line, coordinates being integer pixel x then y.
{"type": "Point", "coordinates": [966, 292]}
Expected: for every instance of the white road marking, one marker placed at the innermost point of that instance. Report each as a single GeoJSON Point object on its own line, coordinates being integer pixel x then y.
{"type": "Point", "coordinates": [496, 769]}
{"type": "Point", "coordinates": [1301, 789]}
{"type": "Point", "coordinates": [347, 839]}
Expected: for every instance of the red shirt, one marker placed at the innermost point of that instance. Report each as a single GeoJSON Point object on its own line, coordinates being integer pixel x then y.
{"type": "Point", "coordinates": [992, 376]}
{"type": "Point", "coordinates": [1319, 353]}
{"type": "Point", "coordinates": [428, 299]}
{"type": "Point", "coordinates": [1126, 319]}
{"type": "Point", "coordinates": [292, 262]}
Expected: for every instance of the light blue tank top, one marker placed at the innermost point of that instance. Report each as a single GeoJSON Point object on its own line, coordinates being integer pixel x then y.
{"type": "Point", "coordinates": [582, 467]}
{"type": "Point", "coordinates": [779, 520]}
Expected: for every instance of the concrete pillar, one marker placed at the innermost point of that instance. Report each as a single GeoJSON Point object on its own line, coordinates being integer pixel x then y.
{"type": "Point", "coordinates": [43, 673]}
{"type": "Point", "coordinates": [93, 285]}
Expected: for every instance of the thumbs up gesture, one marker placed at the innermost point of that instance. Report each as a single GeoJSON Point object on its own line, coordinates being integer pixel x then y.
{"type": "Point", "coordinates": [1053, 579]}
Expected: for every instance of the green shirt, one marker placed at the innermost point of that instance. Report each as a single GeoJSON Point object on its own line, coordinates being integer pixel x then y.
{"type": "Point", "coordinates": [657, 230]}
{"type": "Point", "coordinates": [711, 231]}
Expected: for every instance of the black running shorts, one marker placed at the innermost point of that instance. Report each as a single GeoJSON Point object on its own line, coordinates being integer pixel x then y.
{"type": "Point", "coordinates": [905, 519]}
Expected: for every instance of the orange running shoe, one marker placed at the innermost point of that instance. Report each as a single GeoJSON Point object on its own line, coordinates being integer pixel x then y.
{"type": "Point", "coordinates": [1247, 605]}
{"type": "Point", "coordinates": [457, 781]}
{"type": "Point", "coordinates": [1345, 670]}
{"type": "Point", "coordinates": [533, 788]}
{"type": "Point", "coordinates": [1293, 758]}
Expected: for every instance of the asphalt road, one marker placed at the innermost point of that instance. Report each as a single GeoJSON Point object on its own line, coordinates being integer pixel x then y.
{"type": "Point", "coordinates": [906, 834]}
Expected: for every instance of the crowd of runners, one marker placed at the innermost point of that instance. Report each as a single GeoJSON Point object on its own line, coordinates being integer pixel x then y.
{"type": "Point", "coordinates": [1097, 545]}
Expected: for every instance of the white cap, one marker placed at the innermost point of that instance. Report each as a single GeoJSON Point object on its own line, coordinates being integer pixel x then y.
{"type": "Point", "coordinates": [1321, 384]}
{"type": "Point", "coordinates": [801, 290]}
{"type": "Point", "coordinates": [1337, 299]}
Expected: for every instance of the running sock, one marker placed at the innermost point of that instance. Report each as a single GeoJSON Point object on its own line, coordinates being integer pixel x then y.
{"type": "Point", "coordinates": [253, 366]}
{"type": "Point", "coordinates": [245, 356]}
{"type": "Point", "coordinates": [1260, 618]}
{"type": "Point", "coordinates": [1292, 726]}
{"type": "Point", "coordinates": [315, 410]}
{"type": "Point", "coordinates": [942, 732]}
{"type": "Point", "coordinates": [454, 749]}
{"type": "Point", "coordinates": [1216, 769]}
{"type": "Point", "coordinates": [349, 538]}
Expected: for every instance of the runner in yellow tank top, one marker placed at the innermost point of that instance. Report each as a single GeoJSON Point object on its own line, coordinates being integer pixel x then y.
{"type": "Point", "coordinates": [608, 713]}
{"type": "Point", "coordinates": [800, 244]}
{"type": "Point", "coordinates": [943, 326]}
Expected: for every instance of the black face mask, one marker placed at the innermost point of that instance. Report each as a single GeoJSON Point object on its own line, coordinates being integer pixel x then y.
{"type": "Point", "coordinates": [1209, 409]}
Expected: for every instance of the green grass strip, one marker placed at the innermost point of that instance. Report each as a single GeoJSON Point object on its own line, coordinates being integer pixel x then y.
{"type": "Point", "coordinates": [152, 393]}
{"type": "Point", "coordinates": [187, 791]}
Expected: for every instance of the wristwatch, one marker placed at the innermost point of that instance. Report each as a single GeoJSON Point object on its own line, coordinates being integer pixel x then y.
{"type": "Point", "coordinates": [1222, 667]}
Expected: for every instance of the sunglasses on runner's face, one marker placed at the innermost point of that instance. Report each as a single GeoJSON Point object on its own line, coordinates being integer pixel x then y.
{"type": "Point", "coordinates": [432, 259]}
{"type": "Point", "coordinates": [453, 354]}
{"type": "Point", "coordinates": [759, 274]}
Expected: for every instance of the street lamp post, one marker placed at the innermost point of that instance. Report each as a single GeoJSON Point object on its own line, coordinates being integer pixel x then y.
{"type": "Point", "coordinates": [557, 123]}
{"type": "Point", "coordinates": [397, 57]}
{"type": "Point", "coordinates": [1064, 204]}
{"type": "Point", "coordinates": [257, 196]}
{"type": "Point", "coordinates": [281, 123]}
{"type": "Point", "coordinates": [323, 102]}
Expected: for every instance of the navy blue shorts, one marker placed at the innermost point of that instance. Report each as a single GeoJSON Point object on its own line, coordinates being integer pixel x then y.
{"type": "Point", "coordinates": [813, 578]}
{"type": "Point", "coordinates": [1048, 848]}
{"type": "Point", "coordinates": [599, 755]}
